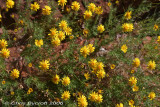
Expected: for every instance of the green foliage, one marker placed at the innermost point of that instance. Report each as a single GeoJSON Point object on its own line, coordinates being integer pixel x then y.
{"type": "Point", "coordinates": [67, 60]}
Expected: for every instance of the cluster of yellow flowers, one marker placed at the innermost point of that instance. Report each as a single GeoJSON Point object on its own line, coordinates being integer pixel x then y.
{"type": "Point", "coordinates": [29, 90]}
{"type": "Point", "coordinates": [97, 67]}
{"type": "Point", "coordinates": [127, 27]}
{"type": "Point", "coordinates": [58, 36]}
{"type": "Point", "coordinates": [91, 9]}
{"type": "Point", "coordinates": [95, 97]}
{"type": "Point", "coordinates": [151, 96]}
{"type": "Point", "coordinates": [65, 80]}
{"type": "Point", "coordinates": [5, 53]}
{"type": "Point", "coordinates": [133, 82]}
{"type": "Point", "coordinates": [46, 10]}
{"type": "Point", "coordinates": [87, 50]}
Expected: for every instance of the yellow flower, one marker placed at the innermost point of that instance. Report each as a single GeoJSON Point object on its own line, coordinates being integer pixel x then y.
{"type": "Point", "coordinates": [14, 38]}
{"type": "Point", "coordinates": [14, 74]}
{"type": "Point", "coordinates": [151, 95]}
{"type": "Point", "coordinates": [99, 66]}
{"type": "Point", "coordinates": [151, 65]}
{"type": "Point", "coordinates": [35, 6]}
{"type": "Point", "coordinates": [158, 39]}
{"type": "Point", "coordinates": [5, 53]}
{"type": "Point", "coordinates": [135, 88]}
{"type": "Point", "coordinates": [91, 48]}
{"type": "Point", "coordinates": [0, 17]}
{"type": "Point", "coordinates": [65, 95]}
{"type": "Point", "coordinates": [56, 41]}
{"type": "Point", "coordinates": [119, 105]}
{"type": "Point", "coordinates": [55, 79]}
{"type": "Point", "coordinates": [112, 66]}
{"type": "Point", "coordinates": [132, 81]}
{"type": "Point", "coordinates": [12, 15]}
{"type": "Point", "coordinates": [99, 10]}
{"type": "Point", "coordinates": [63, 25]}
{"type": "Point", "coordinates": [82, 101]}
{"type": "Point", "coordinates": [127, 27]}
{"type": "Point", "coordinates": [68, 9]}
{"type": "Point", "coordinates": [117, 2]}
{"type": "Point", "coordinates": [30, 65]}
{"type": "Point", "coordinates": [93, 96]}
{"type": "Point", "coordinates": [39, 43]}
{"type": "Point", "coordinates": [61, 35]}
{"type": "Point", "coordinates": [101, 74]}
{"type": "Point", "coordinates": [68, 31]}
{"type": "Point", "coordinates": [109, 4]}
{"type": "Point", "coordinates": [84, 51]}
{"type": "Point", "coordinates": [100, 91]}
{"type": "Point", "coordinates": [21, 22]}
{"type": "Point", "coordinates": [53, 32]}
{"type": "Point", "coordinates": [92, 63]}
{"type": "Point", "coordinates": [132, 71]}
{"type": "Point", "coordinates": [127, 15]}
{"type": "Point", "coordinates": [44, 65]}
{"type": "Point", "coordinates": [131, 102]}
{"type": "Point", "coordinates": [3, 43]}
{"type": "Point", "coordinates": [15, 30]}
{"type": "Point", "coordinates": [136, 62]}
{"type": "Point", "coordinates": [9, 4]}
{"type": "Point", "coordinates": [75, 6]}
{"type": "Point", "coordinates": [92, 7]}
{"type": "Point", "coordinates": [87, 76]}
{"type": "Point", "coordinates": [29, 90]}
{"type": "Point", "coordinates": [87, 14]}
{"type": "Point", "coordinates": [85, 32]}
{"type": "Point", "coordinates": [99, 98]}
{"type": "Point", "coordinates": [100, 28]}
{"type": "Point", "coordinates": [46, 10]}
{"type": "Point", "coordinates": [71, 37]}
{"type": "Point", "coordinates": [3, 82]}
{"type": "Point", "coordinates": [62, 2]}
{"type": "Point", "coordinates": [124, 48]}
{"type": "Point", "coordinates": [65, 81]}
{"type": "Point", "coordinates": [155, 27]}
{"type": "Point", "coordinates": [12, 93]}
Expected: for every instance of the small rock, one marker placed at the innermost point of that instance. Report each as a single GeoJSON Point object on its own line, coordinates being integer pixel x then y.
{"type": "Point", "coordinates": [147, 40]}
